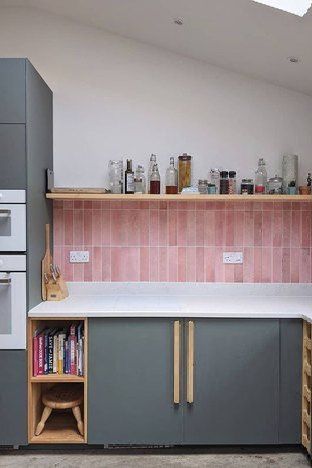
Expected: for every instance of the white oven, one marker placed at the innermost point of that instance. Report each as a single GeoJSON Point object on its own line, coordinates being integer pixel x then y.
{"type": "Point", "coordinates": [12, 301]}
{"type": "Point", "coordinates": [12, 221]}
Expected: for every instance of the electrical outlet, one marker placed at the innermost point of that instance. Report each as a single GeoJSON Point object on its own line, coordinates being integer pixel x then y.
{"type": "Point", "coordinates": [79, 256]}
{"type": "Point", "coordinates": [233, 257]}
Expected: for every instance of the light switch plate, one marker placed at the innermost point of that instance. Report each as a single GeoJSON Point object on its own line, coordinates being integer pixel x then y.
{"type": "Point", "coordinates": [79, 256]}
{"type": "Point", "coordinates": [233, 257]}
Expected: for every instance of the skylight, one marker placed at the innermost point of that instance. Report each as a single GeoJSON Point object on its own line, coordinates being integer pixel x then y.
{"type": "Point", "coordinates": [296, 7]}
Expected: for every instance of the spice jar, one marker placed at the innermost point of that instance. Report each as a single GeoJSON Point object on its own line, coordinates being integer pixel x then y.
{"type": "Point", "coordinates": [202, 186]}
{"type": "Point", "coordinates": [232, 182]}
{"type": "Point", "coordinates": [215, 179]}
{"type": "Point", "coordinates": [185, 165]}
{"type": "Point", "coordinates": [275, 185]}
{"type": "Point", "coordinates": [224, 183]}
{"type": "Point", "coordinates": [247, 187]}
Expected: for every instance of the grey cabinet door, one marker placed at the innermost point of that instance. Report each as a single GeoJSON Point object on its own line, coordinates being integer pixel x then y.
{"type": "Point", "coordinates": [236, 383]}
{"type": "Point", "coordinates": [12, 156]}
{"type": "Point", "coordinates": [12, 90]}
{"type": "Point", "coordinates": [13, 398]}
{"type": "Point", "coordinates": [130, 375]}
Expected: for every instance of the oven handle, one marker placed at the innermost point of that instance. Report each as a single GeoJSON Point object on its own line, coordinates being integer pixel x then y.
{"type": "Point", "coordinates": [5, 281]}
{"type": "Point", "coordinates": [5, 213]}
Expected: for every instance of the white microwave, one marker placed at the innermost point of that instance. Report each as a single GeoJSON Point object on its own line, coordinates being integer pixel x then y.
{"type": "Point", "coordinates": [12, 221]}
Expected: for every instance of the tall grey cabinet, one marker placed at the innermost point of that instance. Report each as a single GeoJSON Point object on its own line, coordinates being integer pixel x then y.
{"type": "Point", "coordinates": [26, 151]}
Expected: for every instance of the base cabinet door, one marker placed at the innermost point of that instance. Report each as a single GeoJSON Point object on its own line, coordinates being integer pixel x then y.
{"type": "Point", "coordinates": [236, 382]}
{"type": "Point", "coordinates": [131, 382]}
{"type": "Point", "coordinates": [13, 398]}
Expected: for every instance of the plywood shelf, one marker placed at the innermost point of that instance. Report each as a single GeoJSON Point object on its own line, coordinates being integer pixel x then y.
{"type": "Point", "coordinates": [56, 378]}
{"type": "Point", "coordinates": [61, 428]}
{"type": "Point", "coordinates": [179, 197]}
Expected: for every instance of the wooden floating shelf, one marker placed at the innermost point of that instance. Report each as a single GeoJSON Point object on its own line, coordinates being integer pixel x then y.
{"type": "Point", "coordinates": [57, 378]}
{"type": "Point", "coordinates": [179, 197]}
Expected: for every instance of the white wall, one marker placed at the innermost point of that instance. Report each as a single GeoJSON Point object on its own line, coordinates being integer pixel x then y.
{"type": "Point", "coordinates": [115, 97]}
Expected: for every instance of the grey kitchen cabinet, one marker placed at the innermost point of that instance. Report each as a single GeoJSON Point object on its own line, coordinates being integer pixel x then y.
{"type": "Point", "coordinates": [130, 382]}
{"type": "Point", "coordinates": [13, 397]}
{"type": "Point", "coordinates": [13, 157]}
{"type": "Point", "coordinates": [246, 382]}
{"type": "Point", "coordinates": [236, 382]}
{"type": "Point", "coordinates": [12, 90]}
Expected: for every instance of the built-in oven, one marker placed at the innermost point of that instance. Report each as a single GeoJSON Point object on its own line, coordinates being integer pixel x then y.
{"type": "Point", "coordinates": [12, 301]}
{"type": "Point", "coordinates": [12, 221]}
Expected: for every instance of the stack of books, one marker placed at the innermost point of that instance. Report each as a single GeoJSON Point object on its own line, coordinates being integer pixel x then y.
{"type": "Point", "coordinates": [58, 351]}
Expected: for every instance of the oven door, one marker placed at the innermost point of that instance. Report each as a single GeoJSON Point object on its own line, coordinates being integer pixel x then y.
{"type": "Point", "coordinates": [12, 310]}
{"type": "Point", "coordinates": [12, 227]}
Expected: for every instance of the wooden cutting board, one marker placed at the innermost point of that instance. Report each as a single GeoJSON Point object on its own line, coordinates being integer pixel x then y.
{"type": "Point", "coordinates": [46, 262]}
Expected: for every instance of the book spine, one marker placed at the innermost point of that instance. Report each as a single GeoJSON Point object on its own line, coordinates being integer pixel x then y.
{"type": "Point", "coordinates": [73, 342]}
{"type": "Point", "coordinates": [50, 354]}
{"type": "Point", "coordinates": [40, 354]}
{"type": "Point", "coordinates": [60, 355]}
{"type": "Point", "coordinates": [35, 356]}
{"type": "Point", "coordinates": [55, 353]}
{"type": "Point", "coordinates": [46, 354]}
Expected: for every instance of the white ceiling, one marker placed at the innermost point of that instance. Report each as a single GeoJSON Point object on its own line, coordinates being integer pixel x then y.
{"type": "Point", "coordinates": [239, 35]}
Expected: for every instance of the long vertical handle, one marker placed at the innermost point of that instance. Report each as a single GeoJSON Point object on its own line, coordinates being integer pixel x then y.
{"type": "Point", "coordinates": [190, 363]}
{"type": "Point", "coordinates": [47, 237]}
{"type": "Point", "coordinates": [176, 362]}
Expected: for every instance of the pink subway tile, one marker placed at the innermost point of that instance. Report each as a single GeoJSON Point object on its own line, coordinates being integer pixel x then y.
{"type": "Point", "coordinates": [305, 240]}
{"type": "Point", "coordinates": [57, 204]}
{"type": "Point", "coordinates": [172, 263]}
{"type": "Point", "coordinates": [277, 228]}
{"type": "Point", "coordinates": [219, 228]}
{"type": "Point", "coordinates": [58, 257]}
{"type": "Point", "coordinates": [277, 265]}
{"type": "Point", "coordinates": [238, 273]}
{"type": "Point", "coordinates": [58, 226]}
{"type": "Point", "coordinates": [181, 264]}
{"type": "Point", "coordinates": [106, 227]}
{"type": "Point", "coordinates": [258, 229]}
{"type": "Point", "coordinates": [286, 228]}
{"type": "Point", "coordinates": [96, 227]}
{"type": "Point", "coordinates": [162, 265]}
{"type": "Point", "coordinates": [78, 274]}
{"type": "Point", "coordinates": [209, 264]}
{"type": "Point", "coordinates": [118, 219]}
{"type": "Point", "coordinates": [305, 266]}
{"type": "Point", "coordinates": [157, 264]}
{"type": "Point", "coordinates": [209, 228]}
{"type": "Point", "coordinates": [125, 264]}
{"type": "Point", "coordinates": [88, 267]}
{"type": "Point", "coordinates": [182, 228]}
{"type": "Point", "coordinates": [68, 204]}
{"type": "Point", "coordinates": [163, 228]}
{"type": "Point", "coordinates": [97, 264]}
{"type": "Point", "coordinates": [106, 264]}
{"type": "Point", "coordinates": [199, 227]}
{"type": "Point", "coordinates": [295, 229]}
{"type": "Point", "coordinates": [286, 265]}
{"type": "Point", "coordinates": [68, 224]}
{"type": "Point", "coordinates": [87, 227]}
{"type": "Point", "coordinates": [144, 264]}
{"type": "Point", "coordinates": [191, 228]}
{"type": "Point", "coordinates": [191, 264]}
{"type": "Point", "coordinates": [229, 273]}
{"type": "Point", "coordinates": [68, 267]}
{"type": "Point", "coordinates": [257, 264]}
{"type": "Point", "coordinates": [78, 227]}
{"type": "Point", "coordinates": [219, 266]}
{"type": "Point", "coordinates": [172, 228]}
{"type": "Point", "coordinates": [154, 227]}
{"type": "Point", "coordinates": [249, 229]}
{"type": "Point", "coordinates": [239, 217]}
{"type": "Point", "coordinates": [266, 265]}
{"type": "Point", "coordinates": [78, 204]}
{"type": "Point", "coordinates": [267, 228]}
{"type": "Point", "coordinates": [132, 227]}
{"type": "Point", "coordinates": [229, 228]}
{"type": "Point", "coordinates": [294, 265]}
{"type": "Point", "coordinates": [248, 272]}
{"type": "Point", "coordinates": [87, 204]}
{"type": "Point", "coordinates": [200, 264]}
{"type": "Point", "coordinates": [144, 227]}
{"type": "Point", "coordinates": [97, 205]}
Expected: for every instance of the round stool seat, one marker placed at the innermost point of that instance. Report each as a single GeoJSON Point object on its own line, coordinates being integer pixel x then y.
{"type": "Point", "coordinates": [63, 396]}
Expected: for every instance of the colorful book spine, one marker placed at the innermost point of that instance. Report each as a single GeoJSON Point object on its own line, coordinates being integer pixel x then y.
{"type": "Point", "coordinates": [36, 354]}
{"type": "Point", "coordinates": [40, 354]}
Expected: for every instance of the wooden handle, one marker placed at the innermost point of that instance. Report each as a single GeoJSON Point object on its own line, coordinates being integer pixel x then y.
{"type": "Point", "coordinates": [176, 362]}
{"type": "Point", "coordinates": [47, 237]}
{"type": "Point", "coordinates": [190, 363]}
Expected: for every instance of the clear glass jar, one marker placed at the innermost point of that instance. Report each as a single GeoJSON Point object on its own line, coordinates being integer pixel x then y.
{"type": "Point", "coordinates": [185, 168]}
{"type": "Point", "coordinates": [150, 169]}
{"type": "Point", "coordinates": [155, 181]}
{"type": "Point", "coordinates": [115, 175]}
{"type": "Point", "coordinates": [140, 180]}
{"type": "Point", "coordinates": [247, 187]}
{"type": "Point", "coordinates": [275, 185]}
{"type": "Point", "coordinates": [290, 172]}
{"type": "Point", "coordinates": [202, 186]}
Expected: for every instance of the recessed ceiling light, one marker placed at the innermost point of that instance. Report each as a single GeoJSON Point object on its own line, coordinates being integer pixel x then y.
{"type": "Point", "coordinates": [296, 7]}
{"type": "Point", "coordinates": [178, 21]}
{"type": "Point", "coordinates": [293, 59]}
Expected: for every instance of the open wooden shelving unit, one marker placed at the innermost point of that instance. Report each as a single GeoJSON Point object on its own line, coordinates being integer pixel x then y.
{"type": "Point", "coordinates": [61, 427]}
{"type": "Point", "coordinates": [306, 385]}
{"type": "Point", "coordinates": [178, 197]}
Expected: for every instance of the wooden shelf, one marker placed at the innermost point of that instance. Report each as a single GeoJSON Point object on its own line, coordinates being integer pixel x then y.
{"type": "Point", "coordinates": [56, 378]}
{"type": "Point", "coordinates": [60, 428]}
{"type": "Point", "coordinates": [180, 197]}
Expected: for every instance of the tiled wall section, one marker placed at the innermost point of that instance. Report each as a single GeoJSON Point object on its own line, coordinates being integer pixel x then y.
{"type": "Point", "coordinates": [184, 241]}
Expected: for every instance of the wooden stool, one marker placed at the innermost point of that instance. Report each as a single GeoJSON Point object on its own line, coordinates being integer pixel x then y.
{"type": "Point", "coordinates": [62, 397]}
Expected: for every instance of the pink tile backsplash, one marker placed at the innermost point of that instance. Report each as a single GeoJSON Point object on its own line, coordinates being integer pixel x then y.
{"type": "Point", "coordinates": [184, 241]}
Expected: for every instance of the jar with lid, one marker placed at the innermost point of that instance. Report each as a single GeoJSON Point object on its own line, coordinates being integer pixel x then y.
{"type": "Point", "coordinates": [155, 181]}
{"type": "Point", "coordinates": [185, 167]}
{"type": "Point", "coordinates": [224, 182]}
{"type": "Point", "coordinates": [232, 182]}
{"type": "Point", "coordinates": [139, 180]}
{"type": "Point", "coordinates": [171, 178]}
{"type": "Point", "coordinates": [261, 179]}
{"type": "Point", "coordinates": [215, 179]}
{"type": "Point", "coordinates": [247, 187]}
{"type": "Point", "coordinates": [202, 186]}
{"type": "Point", "coordinates": [275, 185]}
{"type": "Point", "coordinates": [115, 175]}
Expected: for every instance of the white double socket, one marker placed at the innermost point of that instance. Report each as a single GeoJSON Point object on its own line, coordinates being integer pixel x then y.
{"type": "Point", "coordinates": [79, 256]}
{"type": "Point", "coordinates": [233, 257]}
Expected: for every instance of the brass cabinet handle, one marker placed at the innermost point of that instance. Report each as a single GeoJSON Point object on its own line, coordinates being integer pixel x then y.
{"type": "Point", "coordinates": [190, 363]}
{"type": "Point", "coordinates": [176, 362]}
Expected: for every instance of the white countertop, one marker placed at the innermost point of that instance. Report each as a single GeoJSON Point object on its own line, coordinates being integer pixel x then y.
{"type": "Point", "coordinates": [181, 300]}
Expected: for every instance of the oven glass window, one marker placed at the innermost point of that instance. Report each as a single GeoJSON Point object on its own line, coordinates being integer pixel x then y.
{"type": "Point", "coordinates": [5, 223]}
{"type": "Point", "coordinates": [5, 309]}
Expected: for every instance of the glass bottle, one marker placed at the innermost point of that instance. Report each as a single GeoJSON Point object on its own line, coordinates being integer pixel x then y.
{"type": "Point", "coordinates": [129, 177]}
{"type": "Point", "coordinates": [150, 169]}
{"type": "Point", "coordinates": [215, 179]}
{"type": "Point", "coordinates": [171, 178]}
{"type": "Point", "coordinates": [115, 174]}
{"type": "Point", "coordinates": [185, 167]}
{"type": "Point", "coordinates": [155, 181]}
{"type": "Point", "coordinates": [261, 179]}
